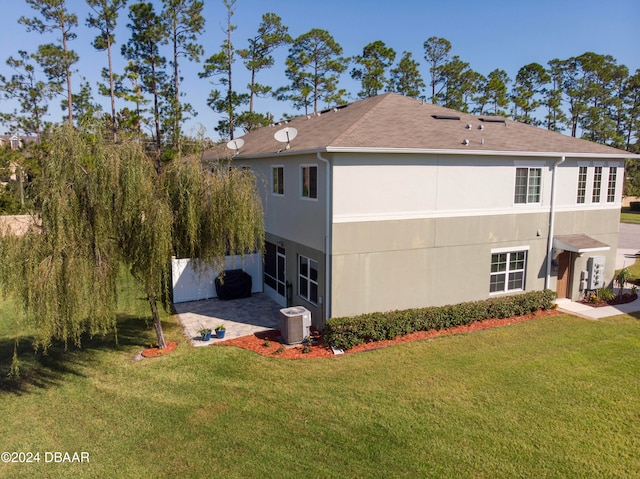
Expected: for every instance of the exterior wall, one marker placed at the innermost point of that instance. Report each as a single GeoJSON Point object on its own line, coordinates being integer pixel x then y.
{"type": "Point", "coordinates": [450, 263]}
{"type": "Point", "coordinates": [292, 298]}
{"type": "Point", "coordinates": [290, 216]}
{"type": "Point", "coordinates": [602, 225]}
{"type": "Point", "coordinates": [419, 230]}
{"type": "Point", "coordinates": [414, 231]}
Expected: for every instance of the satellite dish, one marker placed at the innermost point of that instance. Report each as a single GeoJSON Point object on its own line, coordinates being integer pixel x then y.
{"type": "Point", "coordinates": [285, 135]}
{"type": "Point", "coordinates": [235, 145]}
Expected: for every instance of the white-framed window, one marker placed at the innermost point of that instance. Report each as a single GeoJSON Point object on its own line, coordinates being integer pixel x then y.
{"type": "Point", "coordinates": [277, 180]}
{"type": "Point", "coordinates": [597, 184]}
{"type": "Point", "coordinates": [528, 185]}
{"type": "Point", "coordinates": [611, 188]}
{"type": "Point", "coordinates": [309, 181]}
{"type": "Point", "coordinates": [508, 270]}
{"type": "Point", "coordinates": [308, 279]}
{"type": "Point", "coordinates": [582, 184]}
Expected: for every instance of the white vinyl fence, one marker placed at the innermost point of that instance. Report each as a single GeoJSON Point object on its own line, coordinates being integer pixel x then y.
{"type": "Point", "coordinates": [191, 285]}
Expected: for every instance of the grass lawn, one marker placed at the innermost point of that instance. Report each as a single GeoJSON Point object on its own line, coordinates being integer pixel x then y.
{"type": "Point", "coordinates": [554, 397]}
{"type": "Point", "coordinates": [628, 216]}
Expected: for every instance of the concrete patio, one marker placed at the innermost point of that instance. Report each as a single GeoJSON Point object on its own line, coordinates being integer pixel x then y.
{"type": "Point", "coordinates": [241, 317]}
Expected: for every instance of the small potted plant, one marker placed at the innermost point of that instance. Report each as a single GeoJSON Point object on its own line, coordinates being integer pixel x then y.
{"type": "Point", "coordinates": [220, 330]}
{"type": "Point", "coordinates": [205, 334]}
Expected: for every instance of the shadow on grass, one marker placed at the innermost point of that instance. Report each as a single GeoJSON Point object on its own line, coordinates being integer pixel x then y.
{"type": "Point", "coordinates": [39, 370]}
{"type": "Point", "coordinates": [635, 315]}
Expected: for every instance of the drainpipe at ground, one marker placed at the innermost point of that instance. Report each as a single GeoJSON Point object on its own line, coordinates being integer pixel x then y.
{"type": "Point", "coordinates": [327, 242]}
{"type": "Point", "coordinates": [552, 215]}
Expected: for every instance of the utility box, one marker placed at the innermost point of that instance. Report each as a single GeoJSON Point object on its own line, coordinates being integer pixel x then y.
{"type": "Point", "coordinates": [295, 324]}
{"type": "Point", "coordinates": [595, 269]}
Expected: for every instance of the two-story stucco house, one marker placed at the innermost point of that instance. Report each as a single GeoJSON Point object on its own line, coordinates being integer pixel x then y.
{"type": "Point", "coordinates": [391, 203]}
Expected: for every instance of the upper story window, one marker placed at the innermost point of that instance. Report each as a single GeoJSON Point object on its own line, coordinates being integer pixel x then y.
{"type": "Point", "coordinates": [528, 185]}
{"type": "Point", "coordinates": [277, 180]}
{"type": "Point", "coordinates": [309, 184]}
{"type": "Point", "coordinates": [611, 189]}
{"type": "Point", "coordinates": [597, 184]}
{"type": "Point", "coordinates": [582, 184]}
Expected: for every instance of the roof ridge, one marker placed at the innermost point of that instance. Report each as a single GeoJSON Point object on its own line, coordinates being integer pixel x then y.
{"type": "Point", "coordinates": [375, 100]}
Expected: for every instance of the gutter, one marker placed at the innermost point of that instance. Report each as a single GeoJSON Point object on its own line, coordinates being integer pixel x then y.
{"type": "Point", "coordinates": [327, 241]}
{"type": "Point", "coordinates": [552, 217]}
{"type": "Point", "coordinates": [442, 151]}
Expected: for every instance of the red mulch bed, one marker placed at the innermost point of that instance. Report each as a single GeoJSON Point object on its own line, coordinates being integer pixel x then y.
{"type": "Point", "coordinates": [155, 352]}
{"type": "Point", "coordinates": [626, 298]}
{"type": "Point", "coordinates": [266, 342]}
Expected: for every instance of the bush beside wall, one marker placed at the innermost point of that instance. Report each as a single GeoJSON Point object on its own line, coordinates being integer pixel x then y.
{"type": "Point", "coordinates": [345, 333]}
{"type": "Point", "coordinates": [634, 206]}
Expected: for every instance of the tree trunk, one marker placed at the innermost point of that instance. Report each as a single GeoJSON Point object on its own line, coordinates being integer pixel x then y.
{"type": "Point", "coordinates": [67, 68]}
{"type": "Point", "coordinates": [114, 126]}
{"type": "Point", "coordinates": [157, 324]}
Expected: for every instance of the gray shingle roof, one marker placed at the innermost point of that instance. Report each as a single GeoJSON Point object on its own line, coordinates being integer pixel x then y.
{"type": "Point", "coordinates": [392, 121]}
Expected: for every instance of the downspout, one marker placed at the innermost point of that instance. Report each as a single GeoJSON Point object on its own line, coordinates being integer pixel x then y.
{"type": "Point", "coordinates": [327, 241]}
{"type": "Point", "coordinates": [552, 215]}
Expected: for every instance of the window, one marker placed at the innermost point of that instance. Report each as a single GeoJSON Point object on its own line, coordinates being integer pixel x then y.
{"type": "Point", "coordinates": [597, 184]}
{"type": "Point", "coordinates": [275, 267]}
{"type": "Point", "coordinates": [277, 180]}
{"type": "Point", "coordinates": [308, 279]}
{"type": "Point", "coordinates": [611, 190]}
{"type": "Point", "coordinates": [528, 185]}
{"type": "Point", "coordinates": [582, 184]}
{"type": "Point", "coordinates": [507, 271]}
{"type": "Point", "coordinates": [310, 182]}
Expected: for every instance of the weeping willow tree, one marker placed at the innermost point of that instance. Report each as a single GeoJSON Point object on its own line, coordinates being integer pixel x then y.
{"type": "Point", "coordinates": [104, 205]}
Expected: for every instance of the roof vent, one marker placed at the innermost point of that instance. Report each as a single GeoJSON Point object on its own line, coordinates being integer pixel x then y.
{"type": "Point", "coordinates": [493, 119]}
{"type": "Point", "coordinates": [465, 142]}
{"type": "Point", "coordinates": [480, 127]}
{"type": "Point", "coordinates": [445, 117]}
{"type": "Point", "coordinates": [468, 127]}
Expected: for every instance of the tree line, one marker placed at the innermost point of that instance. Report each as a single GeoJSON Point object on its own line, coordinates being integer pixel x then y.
{"type": "Point", "coordinates": [589, 95]}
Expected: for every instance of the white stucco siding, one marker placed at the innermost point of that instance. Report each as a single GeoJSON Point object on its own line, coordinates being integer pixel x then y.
{"type": "Point", "coordinates": [567, 191]}
{"type": "Point", "coordinates": [399, 187]}
{"type": "Point", "coordinates": [298, 219]}
{"type": "Point", "coordinates": [396, 187]}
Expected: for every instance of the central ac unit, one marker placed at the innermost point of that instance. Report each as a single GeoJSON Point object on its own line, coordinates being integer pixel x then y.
{"type": "Point", "coordinates": [295, 324]}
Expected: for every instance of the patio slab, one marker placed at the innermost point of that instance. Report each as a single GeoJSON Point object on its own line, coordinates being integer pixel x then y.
{"type": "Point", "coordinates": [241, 317]}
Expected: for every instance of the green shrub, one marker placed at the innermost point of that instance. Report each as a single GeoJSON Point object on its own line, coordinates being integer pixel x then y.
{"type": "Point", "coordinates": [346, 333]}
{"type": "Point", "coordinates": [605, 294]}
{"type": "Point", "coordinates": [634, 205]}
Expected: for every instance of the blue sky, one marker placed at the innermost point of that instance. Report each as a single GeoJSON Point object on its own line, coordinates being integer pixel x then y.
{"type": "Point", "coordinates": [487, 34]}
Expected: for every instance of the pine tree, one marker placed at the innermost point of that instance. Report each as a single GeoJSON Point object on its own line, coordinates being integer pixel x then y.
{"type": "Point", "coordinates": [257, 57]}
{"type": "Point", "coordinates": [148, 32]}
{"type": "Point", "coordinates": [436, 52]}
{"type": "Point", "coordinates": [372, 68]}
{"type": "Point", "coordinates": [184, 23]}
{"type": "Point", "coordinates": [56, 60]}
{"type": "Point", "coordinates": [405, 77]}
{"type": "Point", "coordinates": [313, 67]}
{"type": "Point", "coordinates": [104, 18]}
{"type": "Point", "coordinates": [220, 65]}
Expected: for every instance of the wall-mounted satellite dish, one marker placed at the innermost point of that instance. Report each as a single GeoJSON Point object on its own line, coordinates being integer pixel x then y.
{"type": "Point", "coordinates": [285, 135]}
{"type": "Point", "coordinates": [235, 145]}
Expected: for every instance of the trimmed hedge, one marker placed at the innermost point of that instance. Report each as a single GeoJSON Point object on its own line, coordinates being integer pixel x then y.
{"type": "Point", "coordinates": [634, 206]}
{"type": "Point", "coordinates": [345, 333]}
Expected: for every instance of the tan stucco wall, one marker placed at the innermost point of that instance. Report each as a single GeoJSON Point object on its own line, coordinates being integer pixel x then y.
{"type": "Point", "coordinates": [16, 224]}
{"type": "Point", "coordinates": [386, 265]}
